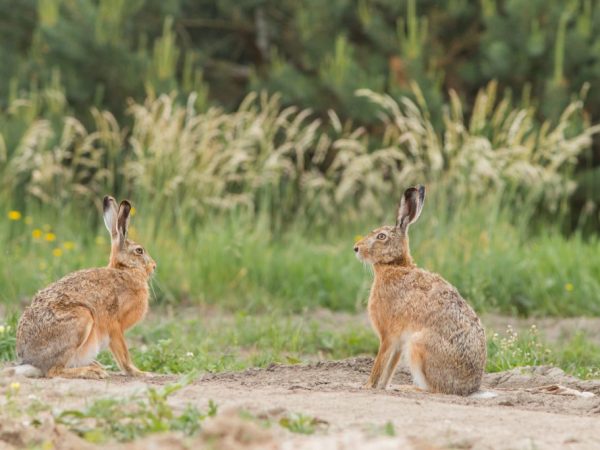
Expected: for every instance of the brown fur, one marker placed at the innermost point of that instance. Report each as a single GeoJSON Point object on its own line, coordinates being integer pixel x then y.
{"type": "Point", "coordinates": [71, 320]}
{"type": "Point", "coordinates": [419, 313]}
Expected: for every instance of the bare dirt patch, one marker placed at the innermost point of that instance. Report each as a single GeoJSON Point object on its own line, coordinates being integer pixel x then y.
{"type": "Point", "coordinates": [524, 414]}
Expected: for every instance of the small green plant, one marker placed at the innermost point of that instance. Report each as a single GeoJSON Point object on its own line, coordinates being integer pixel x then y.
{"type": "Point", "coordinates": [127, 419]}
{"type": "Point", "coordinates": [580, 356]}
{"type": "Point", "coordinates": [11, 406]}
{"type": "Point", "coordinates": [300, 423]}
{"type": "Point", "coordinates": [389, 429]}
{"type": "Point", "coordinates": [8, 332]}
{"type": "Point", "coordinates": [514, 350]}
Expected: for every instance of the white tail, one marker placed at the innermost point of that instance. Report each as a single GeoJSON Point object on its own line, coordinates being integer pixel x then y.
{"type": "Point", "coordinates": [24, 370]}
{"type": "Point", "coordinates": [483, 394]}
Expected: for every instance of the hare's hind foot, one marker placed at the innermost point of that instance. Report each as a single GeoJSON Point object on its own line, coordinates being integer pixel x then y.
{"type": "Point", "coordinates": [408, 388]}
{"type": "Point", "coordinates": [415, 356]}
{"type": "Point", "coordinates": [91, 372]}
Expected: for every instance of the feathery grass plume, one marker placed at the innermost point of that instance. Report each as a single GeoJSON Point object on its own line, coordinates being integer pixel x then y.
{"type": "Point", "coordinates": [501, 146]}
{"type": "Point", "coordinates": [265, 157]}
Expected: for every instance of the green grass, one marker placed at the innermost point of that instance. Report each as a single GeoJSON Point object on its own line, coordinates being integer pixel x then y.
{"type": "Point", "coordinates": [577, 356]}
{"type": "Point", "coordinates": [214, 341]}
{"type": "Point", "coordinates": [220, 343]}
{"type": "Point", "coordinates": [300, 423]}
{"type": "Point", "coordinates": [134, 417]}
{"type": "Point", "coordinates": [240, 264]}
{"type": "Point", "coordinates": [8, 330]}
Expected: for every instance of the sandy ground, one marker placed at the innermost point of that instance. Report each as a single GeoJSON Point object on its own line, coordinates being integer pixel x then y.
{"type": "Point", "coordinates": [524, 415]}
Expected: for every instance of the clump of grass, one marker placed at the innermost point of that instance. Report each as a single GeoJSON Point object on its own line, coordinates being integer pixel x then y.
{"type": "Point", "coordinates": [11, 405]}
{"type": "Point", "coordinates": [578, 356]}
{"type": "Point", "coordinates": [130, 418]}
{"type": "Point", "coordinates": [514, 350]}
{"type": "Point", "coordinates": [8, 331]}
{"type": "Point", "coordinates": [389, 429]}
{"type": "Point", "coordinates": [301, 423]}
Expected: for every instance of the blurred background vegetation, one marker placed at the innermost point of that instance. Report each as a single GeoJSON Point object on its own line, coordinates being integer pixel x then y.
{"type": "Point", "coordinates": [257, 138]}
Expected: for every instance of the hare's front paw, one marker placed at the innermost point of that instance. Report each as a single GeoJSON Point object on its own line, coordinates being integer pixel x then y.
{"type": "Point", "coordinates": [368, 385]}
{"type": "Point", "coordinates": [135, 372]}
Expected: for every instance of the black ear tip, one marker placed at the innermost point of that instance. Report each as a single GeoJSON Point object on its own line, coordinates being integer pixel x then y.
{"type": "Point", "coordinates": [106, 202]}
{"type": "Point", "coordinates": [126, 205]}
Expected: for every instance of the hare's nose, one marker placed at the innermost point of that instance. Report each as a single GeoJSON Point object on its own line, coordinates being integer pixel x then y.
{"type": "Point", "coordinates": [356, 249]}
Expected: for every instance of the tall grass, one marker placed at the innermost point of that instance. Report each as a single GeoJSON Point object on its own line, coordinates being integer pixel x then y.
{"type": "Point", "coordinates": [258, 208]}
{"type": "Point", "coordinates": [242, 264]}
{"type": "Point", "coordinates": [264, 157]}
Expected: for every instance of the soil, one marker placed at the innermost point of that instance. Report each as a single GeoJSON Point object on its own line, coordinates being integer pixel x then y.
{"type": "Point", "coordinates": [530, 411]}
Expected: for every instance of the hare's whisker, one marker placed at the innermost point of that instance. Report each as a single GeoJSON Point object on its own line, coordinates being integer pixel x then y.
{"type": "Point", "coordinates": [151, 284]}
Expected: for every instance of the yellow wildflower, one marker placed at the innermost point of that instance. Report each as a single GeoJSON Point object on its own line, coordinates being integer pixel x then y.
{"type": "Point", "coordinates": [68, 245]}
{"type": "Point", "coordinates": [36, 234]}
{"type": "Point", "coordinates": [132, 212]}
{"type": "Point", "coordinates": [14, 215]}
{"type": "Point", "coordinates": [50, 237]}
{"type": "Point", "coordinates": [357, 238]}
{"type": "Point", "coordinates": [569, 287]}
{"type": "Point", "coordinates": [15, 386]}
{"type": "Point", "coordinates": [57, 252]}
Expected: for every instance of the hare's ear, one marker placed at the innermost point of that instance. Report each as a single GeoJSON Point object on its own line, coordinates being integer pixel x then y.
{"type": "Point", "coordinates": [123, 221]}
{"type": "Point", "coordinates": [410, 207]}
{"type": "Point", "coordinates": [110, 216]}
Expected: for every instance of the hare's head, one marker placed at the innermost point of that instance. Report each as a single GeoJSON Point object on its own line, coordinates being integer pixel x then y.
{"type": "Point", "coordinates": [389, 244]}
{"type": "Point", "coordinates": [124, 253]}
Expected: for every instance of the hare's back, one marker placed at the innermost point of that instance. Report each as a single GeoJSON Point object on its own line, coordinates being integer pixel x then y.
{"type": "Point", "coordinates": [435, 300]}
{"type": "Point", "coordinates": [90, 287]}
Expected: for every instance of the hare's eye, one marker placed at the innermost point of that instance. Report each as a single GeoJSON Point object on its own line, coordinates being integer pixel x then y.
{"type": "Point", "coordinates": [139, 251]}
{"type": "Point", "coordinates": [381, 236]}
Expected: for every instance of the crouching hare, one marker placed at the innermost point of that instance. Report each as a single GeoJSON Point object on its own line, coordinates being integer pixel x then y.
{"type": "Point", "coordinates": [69, 322]}
{"type": "Point", "coordinates": [418, 315]}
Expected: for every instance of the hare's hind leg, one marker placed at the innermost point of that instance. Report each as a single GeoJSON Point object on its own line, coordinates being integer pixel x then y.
{"type": "Point", "coordinates": [90, 372]}
{"type": "Point", "coordinates": [77, 360]}
{"type": "Point", "coordinates": [415, 356]}
{"type": "Point", "coordinates": [436, 365]}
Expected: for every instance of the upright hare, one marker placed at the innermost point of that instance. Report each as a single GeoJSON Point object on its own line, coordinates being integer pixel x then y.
{"type": "Point", "coordinates": [419, 315]}
{"type": "Point", "coordinates": [70, 321]}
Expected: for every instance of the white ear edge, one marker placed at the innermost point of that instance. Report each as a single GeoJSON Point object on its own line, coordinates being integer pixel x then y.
{"type": "Point", "coordinates": [110, 216]}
